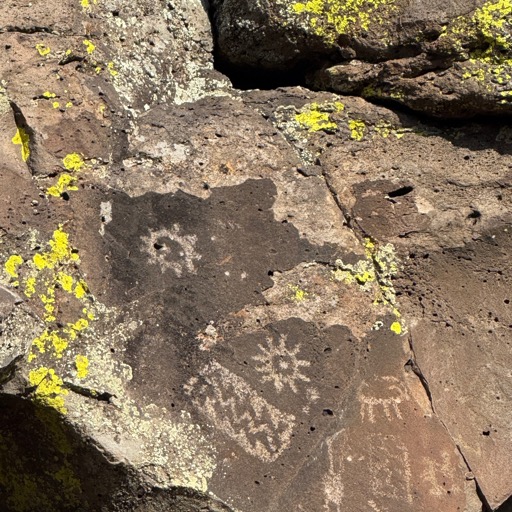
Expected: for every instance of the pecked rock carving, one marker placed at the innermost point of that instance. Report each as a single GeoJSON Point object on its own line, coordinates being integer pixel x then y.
{"type": "Point", "coordinates": [236, 274]}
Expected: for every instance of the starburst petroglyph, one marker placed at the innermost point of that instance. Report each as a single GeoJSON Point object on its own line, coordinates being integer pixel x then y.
{"type": "Point", "coordinates": [280, 364]}
{"type": "Point", "coordinates": [159, 245]}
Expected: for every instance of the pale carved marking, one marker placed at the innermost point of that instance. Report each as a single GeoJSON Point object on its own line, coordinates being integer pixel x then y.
{"type": "Point", "coordinates": [384, 463]}
{"type": "Point", "coordinates": [171, 251]}
{"type": "Point", "coordinates": [389, 469]}
{"type": "Point", "coordinates": [383, 394]}
{"type": "Point", "coordinates": [333, 479]}
{"type": "Point", "coordinates": [237, 410]}
{"type": "Point", "coordinates": [279, 364]}
{"type": "Point", "coordinates": [436, 473]}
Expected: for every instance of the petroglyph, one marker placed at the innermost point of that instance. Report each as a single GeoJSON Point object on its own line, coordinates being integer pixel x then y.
{"type": "Point", "coordinates": [280, 364]}
{"type": "Point", "coordinates": [384, 393]}
{"type": "Point", "coordinates": [436, 474]}
{"type": "Point", "coordinates": [238, 411]}
{"type": "Point", "coordinates": [333, 480]}
{"type": "Point", "coordinates": [170, 250]}
{"type": "Point", "coordinates": [389, 469]}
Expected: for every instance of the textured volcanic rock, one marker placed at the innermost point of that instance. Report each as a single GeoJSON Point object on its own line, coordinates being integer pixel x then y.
{"type": "Point", "coordinates": [447, 59]}
{"type": "Point", "coordinates": [215, 299]}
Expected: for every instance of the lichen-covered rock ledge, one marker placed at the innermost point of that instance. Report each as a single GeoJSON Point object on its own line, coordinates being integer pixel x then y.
{"type": "Point", "coordinates": [444, 58]}
{"type": "Point", "coordinates": [253, 301]}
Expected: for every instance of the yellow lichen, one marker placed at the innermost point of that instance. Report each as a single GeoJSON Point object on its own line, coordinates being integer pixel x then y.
{"type": "Point", "coordinates": [82, 366]}
{"type": "Point", "coordinates": [490, 64]}
{"type": "Point", "coordinates": [73, 162]}
{"type": "Point", "coordinates": [86, 4]}
{"type": "Point", "coordinates": [111, 69]}
{"type": "Point", "coordinates": [42, 49]}
{"type": "Point", "coordinates": [331, 18]}
{"type": "Point", "coordinates": [299, 294]}
{"type": "Point", "coordinates": [357, 129]}
{"type": "Point", "coordinates": [89, 46]}
{"type": "Point", "coordinates": [374, 274]}
{"type": "Point", "coordinates": [60, 251]}
{"type": "Point", "coordinates": [65, 183]}
{"type": "Point", "coordinates": [22, 139]}
{"type": "Point", "coordinates": [48, 271]}
{"type": "Point", "coordinates": [396, 327]}
{"type": "Point", "coordinates": [315, 117]}
{"type": "Point", "coordinates": [48, 94]}
{"type": "Point", "coordinates": [30, 286]}
{"type": "Point", "coordinates": [11, 266]}
{"type": "Point", "coordinates": [49, 388]}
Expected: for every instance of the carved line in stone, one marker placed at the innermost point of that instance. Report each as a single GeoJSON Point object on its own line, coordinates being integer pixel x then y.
{"type": "Point", "coordinates": [237, 410]}
{"type": "Point", "coordinates": [333, 480]}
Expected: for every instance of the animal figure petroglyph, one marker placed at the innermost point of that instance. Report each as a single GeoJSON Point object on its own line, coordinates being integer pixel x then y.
{"type": "Point", "coordinates": [384, 393]}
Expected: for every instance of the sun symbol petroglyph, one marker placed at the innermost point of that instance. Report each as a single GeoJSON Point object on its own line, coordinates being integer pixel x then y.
{"type": "Point", "coordinates": [280, 364]}
{"type": "Point", "coordinates": [160, 245]}
{"type": "Point", "coordinates": [385, 393]}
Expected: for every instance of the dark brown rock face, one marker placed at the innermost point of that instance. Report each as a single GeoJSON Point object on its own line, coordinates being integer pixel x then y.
{"type": "Point", "coordinates": [444, 58]}
{"type": "Point", "coordinates": [255, 300]}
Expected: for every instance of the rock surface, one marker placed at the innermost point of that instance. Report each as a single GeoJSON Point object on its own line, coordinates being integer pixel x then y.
{"type": "Point", "coordinates": [254, 300]}
{"type": "Point", "coordinates": [444, 58]}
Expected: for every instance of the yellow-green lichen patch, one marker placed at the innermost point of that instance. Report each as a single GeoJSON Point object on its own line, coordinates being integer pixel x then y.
{"type": "Point", "coordinates": [49, 271]}
{"type": "Point", "coordinates": [11, 267]}
{"type": "Point", "coordinates": [331, 18]}
{"type": "Point", "coordinates": [86, 4]}
{"type": "Point", "coordinates": [72, 162]}
{"type": "Point", "coordinates": [396, 327]}
{"type": "Point", "coordinates": [43, 50]}
{"type": "Point", "coordinates": [374, 274]}
{"type": "Point", "coordinates": [49, 388]}
{"type": "Point", "coordinates": [112, 69]}
{"type": "Point", "coordinates": [65, 183]}
{"type": "Point", "coordinates": [48, 94]}
{"type": "Point", "coordinates": [21, 137]}
{"type": "Point", "coordinates": [357, 129]}
{"type": "Point", "coordinates": [385, 129]}
{"type": "Point", "coordinates": [315, 117]}
{"type": "Point", "coordinates": [60, 252]}
{"type": "Point", "coordinates": [82, 366]}
{"type": "Point", "coordinates": [89, 46]}
{"type": "Point", "coordinates": [490, 28]}
{"type": "Point", "coordinates": [299, 295]}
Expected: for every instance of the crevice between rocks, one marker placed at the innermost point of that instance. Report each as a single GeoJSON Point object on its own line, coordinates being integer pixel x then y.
{"type": "Point", "coordinates": [414, 367]}
{"type": "Point", "coordinates": [28, 30]}
{"type": "Point", "coordinates": [101, 396]}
